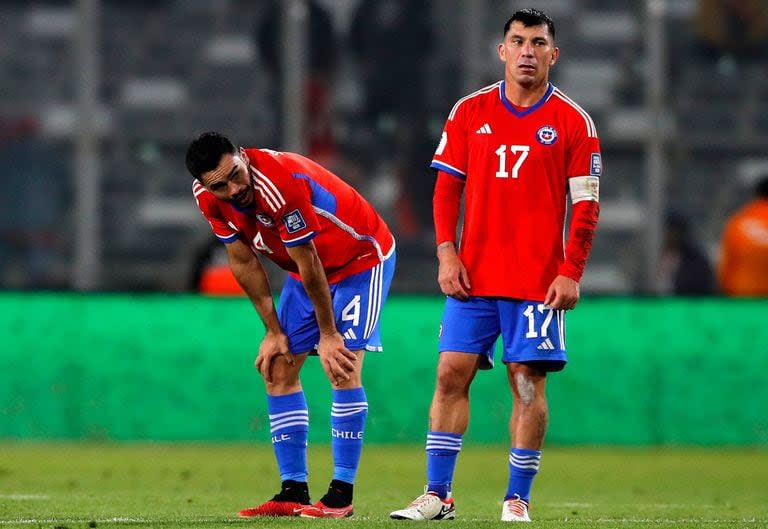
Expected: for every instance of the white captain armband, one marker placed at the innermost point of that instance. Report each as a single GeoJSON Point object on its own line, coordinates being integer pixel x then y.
{"type": "Point", "coordinates": [584, 188]}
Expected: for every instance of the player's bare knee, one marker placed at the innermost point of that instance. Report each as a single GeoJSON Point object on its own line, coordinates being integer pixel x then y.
{"type": "Point", "coordinates": [283, 375]}
{"type": "Point", "coordinates": [282, 386]}
{"type": "Point", "coordinates": [451, 380]}
{"type": "Point", "coordinates": [276, 387]}
{"type": "Point", "coordinates": [355, 381]}
{"type": "Point", "coordinates": [528, 384]}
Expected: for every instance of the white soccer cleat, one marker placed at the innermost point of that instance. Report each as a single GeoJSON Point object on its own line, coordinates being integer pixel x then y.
{"type": "Point", "coordinates": [515, 510]}
{"type": "Point", "coordinates": [428, 506]}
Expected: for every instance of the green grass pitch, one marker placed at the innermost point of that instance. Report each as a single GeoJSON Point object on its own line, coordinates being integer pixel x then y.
{"type": "Point", "coordinates": [80, 485]}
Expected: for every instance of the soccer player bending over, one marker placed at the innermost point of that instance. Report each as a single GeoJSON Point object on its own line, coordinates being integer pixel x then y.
{"type": "Point", "coordinates": [515, 148]}
{"type": "Point", "coordinates": [340, 257]}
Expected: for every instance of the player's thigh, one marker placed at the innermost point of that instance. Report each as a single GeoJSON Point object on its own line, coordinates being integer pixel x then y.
{"type": "Point", "coordinates": [357, 304]}
{"type": "Point", "coordinates": [297, 317]}
{"type": "Point", "coordinates": [470, 326]}
{"type": "Point", "coordinates": [533, 334]}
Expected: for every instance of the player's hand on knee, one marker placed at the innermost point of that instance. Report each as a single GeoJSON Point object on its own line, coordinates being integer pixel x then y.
{"type": "Point", "coordinates": [563, 294]}
{"type": "Point", "coordinates": [273, 346]}
{"type": "Point", "coordinates": [338, 361]}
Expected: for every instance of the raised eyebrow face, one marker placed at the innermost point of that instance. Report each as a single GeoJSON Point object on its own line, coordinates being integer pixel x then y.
{"type": "Point", "coordinates": [221, 183]}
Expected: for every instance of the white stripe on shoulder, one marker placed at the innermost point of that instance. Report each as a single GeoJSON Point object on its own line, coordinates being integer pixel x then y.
{"type": "Point", "coordinates": [591, 129]}
{"type": "Point", "coordinates": [267, 193]}
{"type": "Point", "coordinates": [483, 90]}
{"type": "Point", "coordinates": [267, 198]}
{"type": "Point", "coordinates": [269, 186]}
{"type": "Point", "coordinates": [197, 187]}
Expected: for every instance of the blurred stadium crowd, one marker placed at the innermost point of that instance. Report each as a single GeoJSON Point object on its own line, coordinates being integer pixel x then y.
{"type": "Point", "coordinates": [381, 77]}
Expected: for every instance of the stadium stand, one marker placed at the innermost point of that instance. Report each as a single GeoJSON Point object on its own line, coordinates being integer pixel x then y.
{"type": "Point", "coordinates": [194, 66]}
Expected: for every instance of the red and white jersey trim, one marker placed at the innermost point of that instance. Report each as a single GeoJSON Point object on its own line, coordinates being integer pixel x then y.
{"type": "Point", "coordinates": [306, 236]}
{"type": "Point", "coordinates": [591, 129]}
{"type": "Point", "coordinates": [484, 90]}
{"type": "Point", "coordinates": [351, 231]}
{"type": "Point", "coordinates": [268, 190]}
{"type": "Point", "coordinates": [197, 188]}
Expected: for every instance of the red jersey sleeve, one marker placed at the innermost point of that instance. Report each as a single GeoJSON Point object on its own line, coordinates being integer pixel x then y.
{"type": "Point", "coordinates": [580, 235]}
{"type": "Point", "coordinates": [445, 206]}
{"type": "Point", "coordinates": [209, 207]}
{"type": "Point", "coordinates": [289, 200]}
{"type": "Point", "coordinates": [451, 155]}
{"type": "Point", "coordinates": [583, 154]}
{"type": "Point", "coordinates": [584, 168]}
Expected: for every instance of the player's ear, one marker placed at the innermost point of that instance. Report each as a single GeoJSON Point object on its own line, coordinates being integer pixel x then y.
{"type": "Point", "coordinates": [555, 56]}
{"type": "Point", "coordinates": [502, 52]}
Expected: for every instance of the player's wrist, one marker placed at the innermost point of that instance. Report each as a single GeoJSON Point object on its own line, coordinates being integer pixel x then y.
{"type": "Point", "coordinates": [329, 332]}
{"type": "Point", "coordinates": [274, 331]}
{"type": "Point", "coordinates": [571, 272]}
{"type": "Point", "coordinates": [446, 246]}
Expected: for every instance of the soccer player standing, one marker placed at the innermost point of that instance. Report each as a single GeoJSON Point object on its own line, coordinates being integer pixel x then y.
{"type": "Point", "coordinates": [340, 257]}
{"type": "Point", "coordinates": [516, 148]}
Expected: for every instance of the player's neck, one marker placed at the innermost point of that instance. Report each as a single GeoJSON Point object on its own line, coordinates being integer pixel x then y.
{"type": "Point", "coordinates": [524, 96]}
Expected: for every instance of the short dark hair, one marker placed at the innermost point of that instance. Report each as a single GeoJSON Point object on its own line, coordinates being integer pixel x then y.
{"type": "Point", "coordinates": [530, 17]}
{"type": "Point", "coordinates": [205, 152]}
{"type": "Point", "coordinates": [761, 189]}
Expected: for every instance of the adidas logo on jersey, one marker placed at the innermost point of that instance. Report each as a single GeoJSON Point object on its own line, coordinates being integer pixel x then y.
{"type": "Point", "coordinates": [485, 129]}
{"type": "Point", "coordinates": [350, 334]}
{"type": "Point", "coordinates": [546, 344]}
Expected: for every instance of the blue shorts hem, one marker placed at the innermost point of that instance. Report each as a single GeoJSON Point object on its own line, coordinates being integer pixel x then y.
{"type": "Point", "coordinates": [549, 365]}
{"type": "Point", "coordinates": [298, 351]}
{"type": "Point", "coordinates": [364, 346]}
{"type": "Point", "coordinates": [312, 350]}
{"type": "Point", "coordinates": [486, 360]}
{"type": "Point", "coordinates": [459, 350]}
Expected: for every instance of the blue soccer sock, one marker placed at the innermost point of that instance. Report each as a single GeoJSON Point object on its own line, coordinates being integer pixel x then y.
{"type": "Point", "coordinates": [523, 466]}
{"type": "Point", "coordinates": [442, 451]}
{"type": "Point", "coordinates": [348, 413]}
{"type": "Point", "coordinates": [289, 424]}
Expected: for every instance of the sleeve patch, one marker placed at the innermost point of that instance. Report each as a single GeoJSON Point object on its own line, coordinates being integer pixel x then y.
{"type": "Point", "coordinates": [294, 221]}
{"type": "Point", "coordinates": [596, 167]}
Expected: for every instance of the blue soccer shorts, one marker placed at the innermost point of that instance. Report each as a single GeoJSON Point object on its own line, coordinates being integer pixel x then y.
{"type": "Point", "coordinates": [357, 302]}
{"type": "Point", "coordinates": [531, 333]}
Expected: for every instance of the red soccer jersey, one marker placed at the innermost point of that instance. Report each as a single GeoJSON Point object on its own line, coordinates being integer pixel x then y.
{"type": "Point", "coordinates": [516, 163]}
{"type": "Point", "coordinates": [297, 201]}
